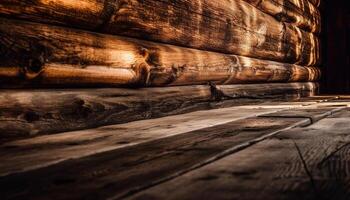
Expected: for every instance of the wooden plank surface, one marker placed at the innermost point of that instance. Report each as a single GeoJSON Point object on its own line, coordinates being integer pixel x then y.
{"type": "Point", "coordinates": [120, 171]}
{"type": "Point", "coordinates": [50, 149]}
{"type": "Point", "coordinates": [302, 163]}
{"type": "Point", "coordinates": [227, 26]}
{"type": "Point", "coordinates": [25, 113]}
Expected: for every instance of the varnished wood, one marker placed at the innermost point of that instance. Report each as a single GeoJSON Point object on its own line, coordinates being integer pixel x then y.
{"type": "Point", "coordinates": [233, 26]}
{"type": "Point", "coordinates": [40, 55]}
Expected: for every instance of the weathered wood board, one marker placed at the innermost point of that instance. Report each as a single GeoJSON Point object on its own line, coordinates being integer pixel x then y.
{"type": "Point", "coordinates": [116, 172]}
{"type": "Point", "coordinates": [302, 163]}
{"type": "Point", "coordinates": [300, 13]}
{"type": "Point", "coordinates": [40, 55]}
{"type": "Point", "coordinates": [33, 112]}
{"type": "Point", "coordinates": [227, 26]}
{"type": "Point", "coordinates": [120, 171]}
{"type": "Point", "coordinates": [51, 149]}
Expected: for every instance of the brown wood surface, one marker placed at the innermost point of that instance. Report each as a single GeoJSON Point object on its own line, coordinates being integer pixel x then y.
{"type": "Point", "coordinates": [33, 112]}
{"type": "Point", "coordinates": [302, 163]}
{"type": "Point", "coordinates": [47, 150]}
{"type": "Point", "coordinates": [227, 26]}
{"type": "Point", "coordinates": [116, 172]}
{"type": "Point", "coordinates": [39, 55]}
{"type": "Point", "coordinates": [50, 149]}
{"type": "Point", "coordinates": [300, 13]}
{"type": "Point", "coordinates": [315, 2]}
{"type": "Point", "coordinates": [119, 171]}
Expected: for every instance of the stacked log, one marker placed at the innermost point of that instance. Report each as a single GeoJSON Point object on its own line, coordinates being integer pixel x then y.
{"type": "Point", "coordinates": [232, 27]}
{"type": "Point", "coordinates": [26, 113]}
{"type": "Point", "coordinates": [316, 2]}
{"type": "Point", "coordinates": [149, 43]}
{"type": "Point", "coordinates": [63, 56]}
{"type": "Point", "coordinates": [300, 13]}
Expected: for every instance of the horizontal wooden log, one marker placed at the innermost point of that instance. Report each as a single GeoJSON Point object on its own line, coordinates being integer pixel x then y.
{"type": "Point", "coordinates": [33, 112]}
{"type": "Point", "coordinates": [40, 55]}
{"type": "Point", "coordinates": [315, 2]}
{"type": "Point", "coordinates": [300, 13]}
{"type": "Point", "coordinates": [233, 26]}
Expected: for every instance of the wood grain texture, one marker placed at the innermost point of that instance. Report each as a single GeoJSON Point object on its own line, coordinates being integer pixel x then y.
{"type": "Point", "coordinates": [227, 26]}
{"type": "Point", "coordinates": [42, 56]}
{"type": "Point", "coordinates": [301, 13]}
{"type": "Point", "coordinates": [302, 163]}
{"type": "Point", "coordinates": [115, 172]}
{"type": "Point", "coordinates": [47, 150]}
{"type": "Point", "coordinates": [118, 171]}
{"type": "Point", "coordinates": [33, 112]}
{"type": "Point", "coordinates": [315, 2]}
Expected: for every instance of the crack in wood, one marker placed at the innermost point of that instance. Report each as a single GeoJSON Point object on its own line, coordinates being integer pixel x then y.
{"type": "Point", "coordinates": [307, 171]}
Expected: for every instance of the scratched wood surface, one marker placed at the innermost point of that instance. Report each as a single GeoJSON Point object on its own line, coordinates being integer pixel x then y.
{"type": "Point", "coordinates": [116, 172]}
{"type": "Point", "coordinates": [158, 153]}
{"type": "Point", "coordinates": [228, 26]}
{"type": "Point", "coordinates": [302, 163]}
{"type": "Point", "coordinates": [120, 171]}
{"type": "Point", "coordinates": [50, 149]}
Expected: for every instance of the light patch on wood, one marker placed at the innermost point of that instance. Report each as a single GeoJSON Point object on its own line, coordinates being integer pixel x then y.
{"type": "Point", "coordinates": [82, 5]}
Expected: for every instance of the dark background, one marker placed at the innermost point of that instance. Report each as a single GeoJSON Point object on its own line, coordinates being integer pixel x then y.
{"type": "Point", "coordinates": [335, 42]}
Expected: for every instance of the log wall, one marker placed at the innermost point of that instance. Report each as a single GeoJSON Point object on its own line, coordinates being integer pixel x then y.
{"type": "Point", "coordinates": [300, 13]}
{"type": "Point", "coordinates": [265, 40]}
{"type": "Point", "coordinates": [137, 44]}
{"type": "Point", "coordinates": [25, 113]}
{"type": "Point", "coordinates": [69, 57]}
{"type": "Point", "coordinates": [233, 27]}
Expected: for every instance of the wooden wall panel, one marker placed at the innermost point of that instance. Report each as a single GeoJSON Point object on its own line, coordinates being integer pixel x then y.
{"type": "Point", "coordinates": [227, 26]}
{"type": "Point", "coordinates": [42, 55]}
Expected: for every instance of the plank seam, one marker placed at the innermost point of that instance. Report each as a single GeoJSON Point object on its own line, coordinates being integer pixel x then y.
{"type": "Point", "coordinates": [126, 146]}
{"type": "Point", "coordinates": [230, 151]}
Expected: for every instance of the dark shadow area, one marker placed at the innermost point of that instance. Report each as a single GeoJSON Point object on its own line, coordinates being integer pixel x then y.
{"type": "Point", "coordinates": [335, 40]}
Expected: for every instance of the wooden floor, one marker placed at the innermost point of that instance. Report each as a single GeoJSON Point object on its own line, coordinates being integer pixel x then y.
{"type": "Point", "coordinates": [280, 150]}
